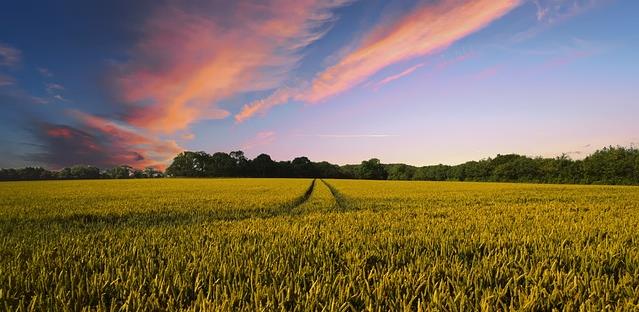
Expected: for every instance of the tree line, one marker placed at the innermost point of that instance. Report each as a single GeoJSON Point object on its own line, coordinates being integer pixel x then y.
{"type": "Point", "coordinates": [235, 164]}
{"type": "Point", "coordinates": [610, 165]}
{"type": "Point", "coordinates": [78, 172]}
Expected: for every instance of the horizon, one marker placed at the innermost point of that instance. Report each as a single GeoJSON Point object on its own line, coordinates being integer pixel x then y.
{"type": "Point", "coordinates": [631, 147]}
{"type": "Point", "coordinates": [414, 82]}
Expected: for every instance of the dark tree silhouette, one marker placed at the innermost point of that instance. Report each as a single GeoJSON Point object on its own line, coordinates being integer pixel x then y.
{"type": "Point", "coordinates": [372, 170]}
{"type": "Point", "coordinates": [610, 165]}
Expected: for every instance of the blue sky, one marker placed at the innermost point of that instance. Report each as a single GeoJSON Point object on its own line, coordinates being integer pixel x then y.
{"type": "Point", "coordinates": [419, 82]}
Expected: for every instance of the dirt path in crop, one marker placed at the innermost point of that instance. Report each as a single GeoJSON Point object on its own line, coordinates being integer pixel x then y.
{"type": "Point", "coordinates": [342, 204]}
{"type": "Point", "coordinates": [302, 199]}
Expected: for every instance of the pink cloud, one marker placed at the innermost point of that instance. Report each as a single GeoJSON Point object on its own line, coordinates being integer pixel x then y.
{"type": "Point", "coordinates": [563, 60]}
{"type": "Point", "coordinates": [455, 60]}
{"type": "Point", "coordinates": [189, 59]}
{"type": "Point", "coordinates": [124, 141]}
{"type": "Point", "coordinates": [60, 132]}
{"type": "Point", "coordinates": [280, 96]}
{"type": "Point", "coordinates": [428, 29]}
{"type": "Point", "coordinates": [567, 55]}
{"type": "Point", "coordinates": [261, 139]}
{"type": "Point", "coordinates": [391, 78]}
{"type": "Point", "coordinates": [487, 72]}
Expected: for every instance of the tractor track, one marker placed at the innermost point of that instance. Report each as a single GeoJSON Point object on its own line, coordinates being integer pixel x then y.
{"type": "Point", "coordinates": [342, 204]}
{"type": "Point", "coordinates": [302, 199]}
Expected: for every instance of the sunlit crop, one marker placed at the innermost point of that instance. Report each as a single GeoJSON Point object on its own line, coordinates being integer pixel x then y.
{"type": "Point", "coordinates": [298, 244]}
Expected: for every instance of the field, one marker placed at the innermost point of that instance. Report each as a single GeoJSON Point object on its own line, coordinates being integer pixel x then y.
{"type": "Point", "coordinates": [299, 244]}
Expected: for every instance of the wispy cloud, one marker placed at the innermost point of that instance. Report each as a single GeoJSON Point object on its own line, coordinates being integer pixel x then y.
{"type": "Point", "coordinates": [6, 80]}
{"type": "Point", "coordinates": [426, 30]}
{"type": "Point", "coordinates": [61, 98]}
{"type": "Point", "coordinates": [570, 52]}
{"type": "Point", "coordinates": [350, 136]}
{"type": "Point", "coordinates": [53, 87]}
{"type": "Point", "coordinates": [279, 97]}
{"type": "Point", "coordinates": [394, 77]}
{"type": "Point", "coordinates": [190, 58]}
{"type": "Point", "coordinates": [11, 94]}
{"type": "Point", "coordinates": [552, 11]}
{"type": "Point", "coordinates": [44, 72]}
{"type": "Point", "coordinates": [54, 90]}
{"type": "Point", "coordinates": [262, 138]}
{"type": "Point", "coordinates": [429, 28]}
{"type": "Point", "coordinates": [487, 72]}
{"type": "Point", "coordinates": [9, 56]}
{"type": "Point", "coordinates": [38, 100]}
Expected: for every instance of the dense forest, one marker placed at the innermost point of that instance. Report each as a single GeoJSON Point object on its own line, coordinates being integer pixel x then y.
{"type": "Point", "coordinates": [611, 165]}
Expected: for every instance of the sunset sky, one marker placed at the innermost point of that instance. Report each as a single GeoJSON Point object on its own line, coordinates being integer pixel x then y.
{"type": "Point", "coordinates": [420, 82]}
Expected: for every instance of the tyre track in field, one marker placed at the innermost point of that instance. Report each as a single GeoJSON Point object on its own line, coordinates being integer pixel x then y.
{"type": "Point", "coordinates": [89, 221]}
{"type": "Point", "coordinates": [142, 219]}
{"type": "Point", "coordinates": [302, 199]}
{"type": "Point", "coordinates": [342, 203]}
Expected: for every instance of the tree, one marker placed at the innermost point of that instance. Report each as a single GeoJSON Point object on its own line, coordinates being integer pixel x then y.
{"type": "Point", "coordinates": [477, 170]}
{"type": "Point", "coordinates": [325, 169]}
{"type": "Point", "coordinates": [400, 172]}
{"type": "Point", "coordinates": [220, 165]}
{"type": "Point", "coordinates": [516, 168]}
{"type": "Point", "coordinates": [432, 173]}
{"type": "Point", "coordinates": [263, 166]}
{"type": "Point", "coordinates": [241, 163]}
{"type": "Point", "coordinates": [189, 164]}
{"type": "Point", "coordinates": [350, 171]}
{"type": "Point", "coordinates": [121, 172]}
{"type": "Point", "coordinates": [611, 165]}
{"type": "Point", "coordinates": [28, 173]}
{"type": "Point", "coordinates": [303, 168]}
{"type": "Point", "coordinates": [80, 172]}
{"type": "Point", "coordinates": [372, 170]}
{"type": "Point", "coordinates": [150, 172]}
{"type": "Point", "coordinates": [284, 169]}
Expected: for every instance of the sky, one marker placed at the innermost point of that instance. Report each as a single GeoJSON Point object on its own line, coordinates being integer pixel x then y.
{"type": "Point", "coordinates": [413, 81]}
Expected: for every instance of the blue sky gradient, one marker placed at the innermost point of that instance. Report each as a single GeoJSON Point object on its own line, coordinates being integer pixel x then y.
{"type": "Point", "coordinates": [136, 82]}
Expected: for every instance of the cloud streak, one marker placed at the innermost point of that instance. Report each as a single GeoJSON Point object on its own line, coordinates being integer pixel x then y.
{"type": "Point", "coordinates": [391, 78]}
{"type": "Point", "coordinates": [429, 28]}
{"type": "Point", "coordinates": [53, 87]}
{"type": "Point", "coordinates": [551, 11]}
{"type": "Point", "coordinates": [191, 58]}
{"type": "Point", "coordinates": [262, 138]}
{"type": "Point", "coordinates": [6, 80]}
{"type": "Point", "coordinates": [355, 136]}
{"type": "Point", "coordinates": [9, 56]}
{"type": "Point", "coordinates": [279, 97]}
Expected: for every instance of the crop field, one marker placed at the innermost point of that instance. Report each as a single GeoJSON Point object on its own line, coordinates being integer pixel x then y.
{"type": "Point", "coordinates": [302, 244]}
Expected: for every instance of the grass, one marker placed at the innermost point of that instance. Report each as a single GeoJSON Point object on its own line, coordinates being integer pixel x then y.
{"type": "Point", "coordinates": [339, 245]}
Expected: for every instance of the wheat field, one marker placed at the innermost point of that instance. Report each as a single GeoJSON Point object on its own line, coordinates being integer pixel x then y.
{"type": "Point", "coordinates": [308, 245]}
